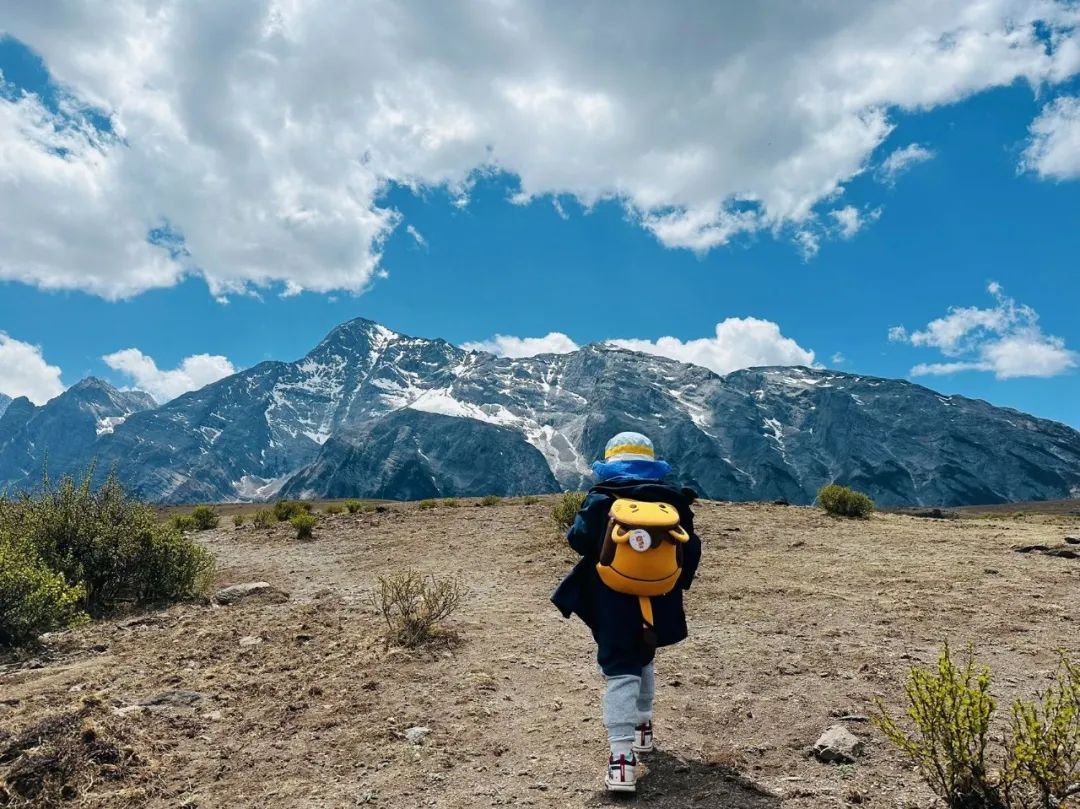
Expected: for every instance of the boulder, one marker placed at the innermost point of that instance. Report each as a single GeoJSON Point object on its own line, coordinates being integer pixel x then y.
{"type": "Point", "coordinates": [838, 745]}
{"type": "Point", "coordinates": [251, 591]}
{"type": "Point", "coordinates": [416, 734]}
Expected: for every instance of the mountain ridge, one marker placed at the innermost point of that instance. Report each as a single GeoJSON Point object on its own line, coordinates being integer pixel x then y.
{"type": "Point", "coordinates": [372, 412]}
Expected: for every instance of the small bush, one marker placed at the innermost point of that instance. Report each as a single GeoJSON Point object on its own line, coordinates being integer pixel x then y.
{"type": "Point", "coordinates": [238, 520]}
{"type": "Point", "coordinates": [414, 606]}
{"type": "Point", "coordinates": [264, 518]}
{"type": "Point", "coordinates": [110, 546]}
{"type": "Point", "coordinates": [33, 599]}
{"type": "Point", "coordinates": [287, 509]}
{"type": "Point", "coordinates": [183, 522]}
{"type": "Point", "coordinates": [304, 525]}
{"type": "Point", "coordinates": [951, 710]}
{"type": "Point", "coordinates": [840, 501]}
{"type": "Point", "coordinates": [358, 506]}
{"type": "Point", "coordinates": [490, 500]}
{"type": "Point", "coordinates": [426, 504]}
{"type": "Point", "coordinates": [334, 508]}
{"type": "Point", "coordinates": [205, 518]}
{"type": "Point", "coordinates": [449, 502]}
{"type": "Point", "coordinates": [566, 508]}
{"type": "Point", "coordinates": [529, 500]}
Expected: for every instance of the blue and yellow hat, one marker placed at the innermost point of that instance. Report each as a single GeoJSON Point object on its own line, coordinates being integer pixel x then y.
{"type": "Point", "coordinates": [630, 455]}
{"type": "Point", "coordinates": [629, 447]}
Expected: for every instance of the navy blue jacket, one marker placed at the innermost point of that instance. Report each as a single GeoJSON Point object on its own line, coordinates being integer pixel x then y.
{"type": "Point", "coordinates": [613, 617]}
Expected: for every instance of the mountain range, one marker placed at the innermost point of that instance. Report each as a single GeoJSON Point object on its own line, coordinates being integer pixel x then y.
{"type": "Point", "coordinates": [370, 412]}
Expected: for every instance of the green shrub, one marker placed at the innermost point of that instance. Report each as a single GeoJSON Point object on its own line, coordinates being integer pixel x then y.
{"type": "Point", "coordinates": [951, 710]}
{"type": "Point", "coordinates": [183, 522]}
{"type": "Point", "coordinates": [358, 506]}
{"type": "Point", "coordinates": [1043, 760]}
{"type": "Point", "coordinates": [490, 500]}
{"type": "Point", "coordinates": [106, 543]}
{"type": "Point", "coordinates": [238, 520]}
{"type": "Point", "coordinates": [205, 518]}
{"type": "Point", "coordinates": [33, 599]}
{"type": "Point", "coordinates": [426, 504]}
{"type": "Point", "coordinates": [449, 502]}
{"type": "Point", "coordinates": [414, 606]}
{"type": "Point", "coordinates": [287, 509]}
{"type": "Point", "coordinates": [264, 518]}
{"type": "Point", "coordinates": [566, 508]}
{"type": "Point", "coordinates": [334, 508]}
{"type": "Point", "coordinates": [840, 501]}
{"type": "Point", "coordinates": [304, 524]}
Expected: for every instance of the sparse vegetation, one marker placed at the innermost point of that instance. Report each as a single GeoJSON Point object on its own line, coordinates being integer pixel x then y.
{"type": "Point", "coordinates": [425, 504]}
{"type": "Point", "coordinates": [238, 519]}
{"type": "Point", "coordinates": [287, 509]}
{"type": "Point", "coordinates": [449, 502]}
{"type": "Point", "coordinates": [183, 523]}
{"type": "Point", "coordinates": [304, 524]}
{"type": "Point", "coordinates": [840, 501]}
{"type": "Point", "coordinates": [358, 506]}
{"type": "Point", "coordinates": [73, 549]}
{"type": "Point", "coordinates": [529, 500]}
{"type": "Point", "coordinates": [566, 508]}
{"type": "Point", "coordinates": [334, 508]}
{"type": "Point", "coordinates": [952, 710]}
{"type": "Point", "coordinates": [264, 518]}
{"type": "Point", "coordinates": [205, 518]}
{"type": "Point", "coordinates": [414, 606]}
{"type": "Point", "coordinates": [490, 500]}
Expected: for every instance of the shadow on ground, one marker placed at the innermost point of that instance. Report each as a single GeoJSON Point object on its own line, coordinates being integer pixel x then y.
{"type": "Point", "coordinates": [678, 784]}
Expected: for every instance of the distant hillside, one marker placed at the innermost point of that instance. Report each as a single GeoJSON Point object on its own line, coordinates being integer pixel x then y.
{"type": "Point", "coordinates": [370, 412]}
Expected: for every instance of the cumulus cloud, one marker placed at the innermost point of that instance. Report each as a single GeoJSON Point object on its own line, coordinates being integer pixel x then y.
{"type": "Point", "coordinates": [506, 346]}
{"type": "Point", "coordinates": [740, 342]}
{"type": "Point", "coordinates": [1004, 339]}
{"type": "Point", "coordinates": [1053, 150]}
{"type": "Point", "coordinates": [252, 143]}
{"type": "Point", "coordinates": [193, 372]}
{"type": "Point", "coordinates": [903, 159]}
{"type": "Point", "coordinates": [24, 371]}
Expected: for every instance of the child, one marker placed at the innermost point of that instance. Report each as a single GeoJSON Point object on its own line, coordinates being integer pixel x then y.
{"type": "Point", "coordinates": [625, 646]}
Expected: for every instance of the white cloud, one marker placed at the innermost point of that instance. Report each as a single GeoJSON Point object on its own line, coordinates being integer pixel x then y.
{"type": "Point", "coordinates": [850, 220]}
{"type": "Point", "coordinates": [24, 371]}
{"type": "Point", "coordinates": [506, 346]}
{"type": "Point", "coordinates": [1005, 339]}
{"type": "Point", "coordinates": [418, 237]}
{"type": "Point", "coordinates": [903, 159]}
{"type": "Point", "coordinates": [1053, 151]}
{"type": "Point", "coordinates": [739, 343]}
{"type": "Point", "coordinates": [258, 138]}
{"type": "Point", "coordinates": [838, 358]}
{"type": "Point", "coordinates": [193, 372]}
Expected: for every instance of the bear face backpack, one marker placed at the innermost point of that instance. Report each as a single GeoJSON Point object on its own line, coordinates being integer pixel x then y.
{"type": "Point", "coordinates": [642, 554]}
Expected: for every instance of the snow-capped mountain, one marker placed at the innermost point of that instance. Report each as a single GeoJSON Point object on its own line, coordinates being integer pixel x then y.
{"type": "Point", "coordinates": [4, 402]}
{"type": "Point", "coordinates": [64, 431]}
{"type": "Point", "coordinates": [370, 412]}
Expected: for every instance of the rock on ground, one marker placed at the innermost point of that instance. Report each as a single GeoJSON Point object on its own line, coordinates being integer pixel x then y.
{"type": "Point", "coordinates": [260, 590]}
{"type": "Point", "coordinates": [838, 745]}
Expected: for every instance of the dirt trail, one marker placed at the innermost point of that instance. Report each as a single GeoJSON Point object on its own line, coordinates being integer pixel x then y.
{"type": "Point", "coordinates": [796, 619]}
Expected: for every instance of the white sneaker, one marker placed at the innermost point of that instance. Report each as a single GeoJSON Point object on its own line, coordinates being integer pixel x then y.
{"type": "Point", "coordinates": [620, 775]}
{"type": "Point", "coordinates": [643, 742]}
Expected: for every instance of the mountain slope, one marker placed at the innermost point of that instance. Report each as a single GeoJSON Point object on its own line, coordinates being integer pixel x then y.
{"type": "Point", "coordinates": [4, 402]}
{"type": "Point", "coordinates": [370, 412]}
{"type": "Point", "coordinates": [64, 431]}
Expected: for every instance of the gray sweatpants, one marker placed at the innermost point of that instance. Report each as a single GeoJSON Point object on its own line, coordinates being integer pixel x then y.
{"type": "Point", "coordinates": [628, 702]}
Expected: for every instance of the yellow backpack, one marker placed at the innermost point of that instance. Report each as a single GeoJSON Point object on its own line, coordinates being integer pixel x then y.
{"type": "Point", "coordinates": [643, 551]}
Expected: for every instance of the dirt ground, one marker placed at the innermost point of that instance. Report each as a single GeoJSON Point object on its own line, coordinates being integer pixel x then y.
{"type": "Point", "coordinates": [796, 620]}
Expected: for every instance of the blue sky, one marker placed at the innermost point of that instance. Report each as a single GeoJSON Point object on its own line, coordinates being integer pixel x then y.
{"type": "Point", "coordinates": [607, 247]}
